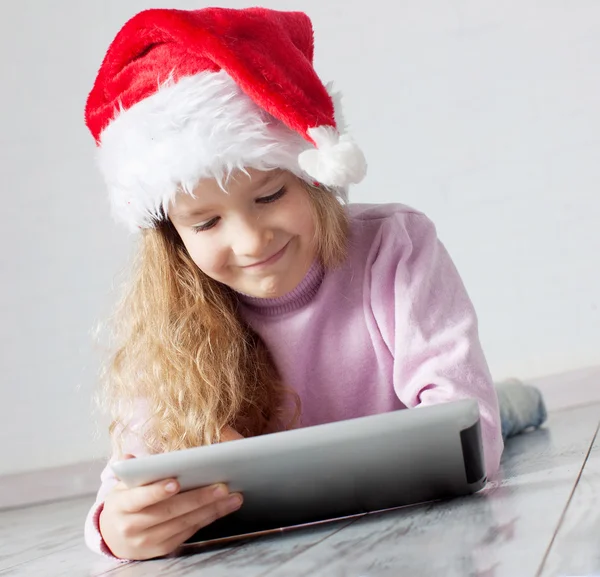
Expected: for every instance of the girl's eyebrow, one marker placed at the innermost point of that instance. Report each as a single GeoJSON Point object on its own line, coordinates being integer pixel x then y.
{"type": "Point", "coordinates": [264, 178]}
{"type": "Point", "coordinates": [200, 211]}
{"type": "Point", "coordinates": [189, 214]}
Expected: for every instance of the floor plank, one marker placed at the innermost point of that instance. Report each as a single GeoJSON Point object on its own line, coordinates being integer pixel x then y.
{"type": "Point", "coordinates": [576, 547]}
{"type": "Point", "coordinates": [248, 559]}
{"type": "Point", "coordinates": [72, 561]}
{"type": "Point", "coordinates": [33, 532]}
{"type": "Point", "coordinates": [504, 530]}
{"type": "Point", "coordinates": [47, 540]}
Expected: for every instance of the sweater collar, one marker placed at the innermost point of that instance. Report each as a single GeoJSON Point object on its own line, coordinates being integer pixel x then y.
{"type": "Point", "coordinates": [292, 301]}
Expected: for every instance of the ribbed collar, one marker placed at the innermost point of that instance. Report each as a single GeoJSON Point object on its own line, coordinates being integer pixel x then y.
{"type": "Point", "coordinates": [294, 300]}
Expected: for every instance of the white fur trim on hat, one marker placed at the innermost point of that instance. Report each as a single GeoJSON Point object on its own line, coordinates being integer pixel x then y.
{"type": "Point", "coordinates": [204, 126]}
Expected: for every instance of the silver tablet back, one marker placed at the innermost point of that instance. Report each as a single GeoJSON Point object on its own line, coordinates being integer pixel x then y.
{"type": "Point", "coordinates": [331, 470]}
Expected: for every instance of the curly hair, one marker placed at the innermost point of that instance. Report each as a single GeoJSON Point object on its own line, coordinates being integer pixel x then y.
{"type": "Point", "coordinates": [181, 347]}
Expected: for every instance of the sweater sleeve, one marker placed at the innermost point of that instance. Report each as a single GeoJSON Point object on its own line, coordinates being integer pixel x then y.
{"type": "Point", "coordinates": [428, 323]}
{"type": "Point", "coordinates": [132, 444]}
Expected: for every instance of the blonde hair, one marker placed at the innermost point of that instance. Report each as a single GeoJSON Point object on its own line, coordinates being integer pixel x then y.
{"type": "Point", "coordinates": [182, 350]}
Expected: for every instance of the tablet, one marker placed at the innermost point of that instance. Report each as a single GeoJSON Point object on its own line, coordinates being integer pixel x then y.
{"type": "Point", "coordinates": [330, 471]}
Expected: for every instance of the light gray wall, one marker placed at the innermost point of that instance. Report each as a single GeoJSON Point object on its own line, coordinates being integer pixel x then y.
{"type": "Point", "coordinates": [483, 114]}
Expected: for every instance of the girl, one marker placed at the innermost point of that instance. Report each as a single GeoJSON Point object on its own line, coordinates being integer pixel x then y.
{"type": "Point", "coordinates": [260, 300]}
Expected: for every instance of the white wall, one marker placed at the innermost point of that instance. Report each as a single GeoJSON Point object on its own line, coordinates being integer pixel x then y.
{"type": "Point", "coordinates": [483, 114]}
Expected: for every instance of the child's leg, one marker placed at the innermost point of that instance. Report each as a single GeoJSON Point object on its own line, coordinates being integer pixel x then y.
{"type": "Point", "coordinates": [521, 407]}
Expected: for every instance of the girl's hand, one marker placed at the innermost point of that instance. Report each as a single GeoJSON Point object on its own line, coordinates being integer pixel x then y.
{"type": "Point", "coordinates": [154, 520]}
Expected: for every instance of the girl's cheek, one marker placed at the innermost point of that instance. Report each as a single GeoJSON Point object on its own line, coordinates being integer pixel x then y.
{"type": "Point", "coordinates": [210, 260]}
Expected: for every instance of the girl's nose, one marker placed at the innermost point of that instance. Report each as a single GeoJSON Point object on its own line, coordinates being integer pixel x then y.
{"type": "Point", "coordinates": [251, 238]}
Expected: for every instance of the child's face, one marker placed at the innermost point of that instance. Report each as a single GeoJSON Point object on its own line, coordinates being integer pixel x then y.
{"type": "Point", "coordinates": [257, 238]}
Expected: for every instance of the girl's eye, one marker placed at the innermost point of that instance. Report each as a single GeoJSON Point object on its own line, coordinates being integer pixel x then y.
{"type": "Point", "coordinates": [262, 200]}
{"type": "Point", "coordinates": [271, 198]}
{"type": "Point", "coordinates": [205, 225]}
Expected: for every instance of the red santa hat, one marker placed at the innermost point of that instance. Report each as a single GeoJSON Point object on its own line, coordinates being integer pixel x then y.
{"type": "Point", "coordinates": [184, 95]}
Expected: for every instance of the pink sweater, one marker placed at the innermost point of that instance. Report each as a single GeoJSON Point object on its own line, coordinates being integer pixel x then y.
{"type": "Point", "coordinates": [392, 329]}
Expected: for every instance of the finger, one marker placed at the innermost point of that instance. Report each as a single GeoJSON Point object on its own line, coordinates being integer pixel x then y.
{"type": "Point", "coordinates": [140, 498]}
{"type": "Point", "coordinates": [182, 504]}
{"type": "Point", "coordinates": [229, 434]}
{"type": "Point", "coordinates": [173, 533]}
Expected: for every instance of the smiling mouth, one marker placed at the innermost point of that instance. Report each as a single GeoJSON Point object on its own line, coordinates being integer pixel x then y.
{"type": "Point", "coordinates": [273, 258]}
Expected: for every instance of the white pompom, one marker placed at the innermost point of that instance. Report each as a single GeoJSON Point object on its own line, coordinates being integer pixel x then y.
{"type": "Point", "coordinates": [337, 161]}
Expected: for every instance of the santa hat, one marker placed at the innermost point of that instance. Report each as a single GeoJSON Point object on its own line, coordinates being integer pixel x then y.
{"type": "Point", "coordinates": [184, 95]}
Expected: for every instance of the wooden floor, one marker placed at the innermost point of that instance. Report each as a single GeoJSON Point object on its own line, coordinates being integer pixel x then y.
{"type": "Point", "coordinates": [541, 518]}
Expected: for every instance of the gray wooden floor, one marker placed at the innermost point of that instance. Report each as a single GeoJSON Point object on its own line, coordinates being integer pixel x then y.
{"type": "Point", "coordinates": [541, 518]}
